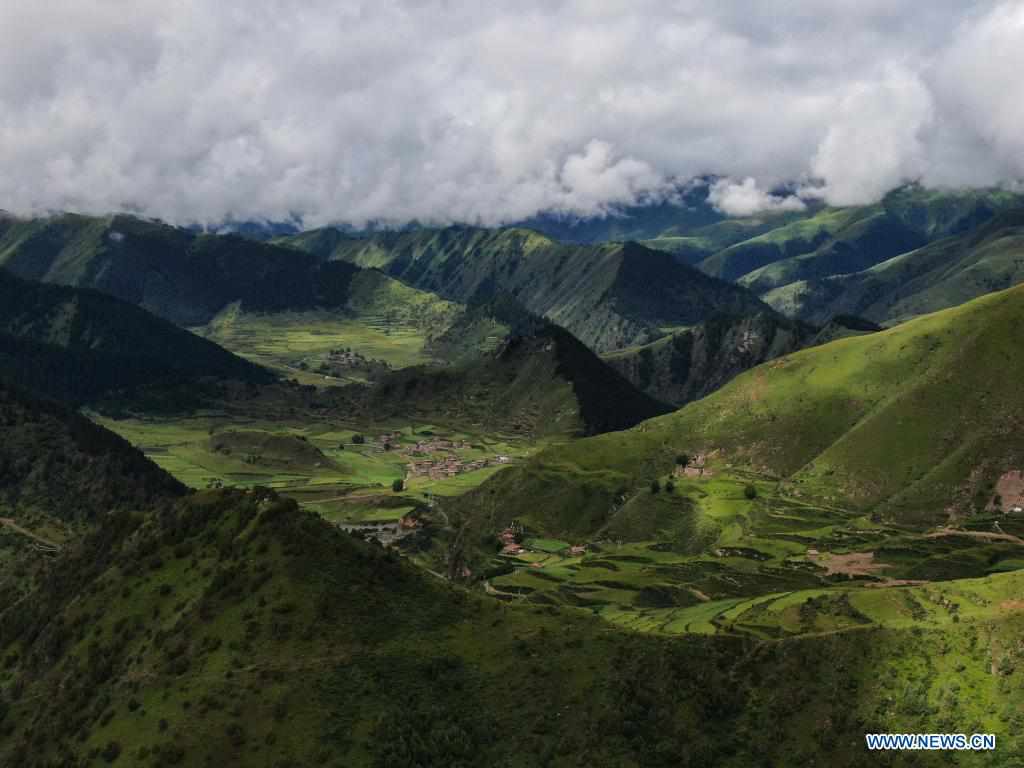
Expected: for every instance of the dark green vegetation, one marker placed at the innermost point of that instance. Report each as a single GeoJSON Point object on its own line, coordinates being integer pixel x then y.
{"type": "Point", "coordinates": [231, 627]}
{"type": "Point", "coordinates": [177, 274]}
{"type": "Point", "coordinates": [609, 296]}
{"type": "Point", "coordinates": [80, 344]}
{"type": "Point", "coordinates": [59, 475]}
{"type": "Point", "coordinates": [57, 462]}
{"type": "Point", "coordinates": [540, 380]}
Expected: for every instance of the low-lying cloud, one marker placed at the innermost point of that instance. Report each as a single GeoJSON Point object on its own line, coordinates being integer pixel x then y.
{"type": "Point", "coordinates": [745, 198]}
{"type": "Point", "coordinates": [452, 110]}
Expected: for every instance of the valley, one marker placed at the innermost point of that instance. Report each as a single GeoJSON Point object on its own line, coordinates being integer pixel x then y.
{"type": "Point", "coordinates": [349, 498]}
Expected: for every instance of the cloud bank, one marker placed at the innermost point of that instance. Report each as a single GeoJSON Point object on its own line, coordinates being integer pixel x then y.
{"type": "Point", "coordinates": [454, 110]}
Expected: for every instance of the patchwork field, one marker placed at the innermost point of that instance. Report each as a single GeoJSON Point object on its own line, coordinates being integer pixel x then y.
{"type": "Point", "coordinates": [343, 472]}
{"type": "Point", "coordinates": [297, 343]}
{"type": "Point", "coordinates": [738, 553]}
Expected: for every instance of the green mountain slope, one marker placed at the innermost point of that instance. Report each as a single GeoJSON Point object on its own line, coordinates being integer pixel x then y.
{"type": "Point", "coordinates": [390, 324]}
{"type": "Point", "coordinates": [79, 344]}
{"type": "Point", "coordinates": [942, 274]}
{"type": "Point", "coordinates": [609, 296]}
{"type": "Point", "coordinates": [871, 238]}
{"type": "Point", "coordinates": [693, 246]}
{"type": "Point", "coordinates": [175, 273]}
{"type": "Point", "coordinates": [58, 463]}
{"type": "Point", "coordinates": [915, 424]}
{"type": "Point", "coordinates": [690, 364]}
{"type": "Point", "coordinates": [841, 240]}
{"type": "Point", "coordinates": [237, 628]}
{"type": "Point", "coordinates": [233, 627]}
{"type": "Point", "coordinates": [532, 377]}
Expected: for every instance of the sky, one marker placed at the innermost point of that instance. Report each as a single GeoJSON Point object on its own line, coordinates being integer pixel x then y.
{"type": "Point", "coordinates": [201, 111]}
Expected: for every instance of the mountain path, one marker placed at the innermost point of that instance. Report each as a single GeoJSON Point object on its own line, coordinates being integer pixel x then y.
{"type": "Point", "coordinates": [10, 523]}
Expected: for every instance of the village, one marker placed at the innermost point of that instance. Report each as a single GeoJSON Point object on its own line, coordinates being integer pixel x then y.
{"type": "Point", "coordinates": [434, 458]}
{"type": "Point", "coordinates": [694, 467]}
{"type": "Point", "coordinates": [341, 361]}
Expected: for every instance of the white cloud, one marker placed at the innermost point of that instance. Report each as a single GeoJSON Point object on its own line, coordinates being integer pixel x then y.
{"type": "Point", "coordinates": [875, 140]}
{"type": "Point", "coordinates": [441, 110]}
{"type": "Point", "coordinates": [745, 198]}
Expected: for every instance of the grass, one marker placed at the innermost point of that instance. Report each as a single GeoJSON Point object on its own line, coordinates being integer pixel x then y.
{"type": "Point", "coordinates": [318, 464]}
{"type": "Point", "coordinates": [287, 340]}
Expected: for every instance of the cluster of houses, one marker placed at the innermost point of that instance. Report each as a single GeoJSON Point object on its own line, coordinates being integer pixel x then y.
{"type": "Point", "coordinates": [510, 546]}
{"type": "Point", "coordinates": [695, 468]}
{"type": "Point", "coordinates": [448, 466]}
{"type": "Point", "coordinates": [387, 441]}
{"type": "Point", "coordinates": [387, 532]}
{"type": "Point", "coordinates": [435, 444]}
{"type": "Point", "coordinates": [422, 464]}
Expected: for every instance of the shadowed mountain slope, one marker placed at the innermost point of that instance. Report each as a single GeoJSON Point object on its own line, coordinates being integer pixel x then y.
{"type": "Point", "coordinates": [609, 296]}
{"type": "Point", "coordinates": [78, 344]}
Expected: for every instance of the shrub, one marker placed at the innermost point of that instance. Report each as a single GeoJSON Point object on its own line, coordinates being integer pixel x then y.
{"type": "Point", "coordinates": [358, 439]}
{"type": "Point", "coordinates": [682, 460]}
{"type": "Point", "coordinates": [655, 486]}
{"type": "Point", "coordinates": [670, 487]}
{"type": "Point", "coordinates": [398, 485]}
{"type": "Point", "coordinates": [111, 752]}
{"type": "Point", "coordinates": [750, 491]}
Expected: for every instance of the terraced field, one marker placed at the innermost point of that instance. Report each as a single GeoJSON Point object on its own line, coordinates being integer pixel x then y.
{"type": "Point", "coordinates": [777, 565]}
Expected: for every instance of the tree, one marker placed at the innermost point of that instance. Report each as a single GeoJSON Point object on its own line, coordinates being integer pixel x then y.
{"type": "Point", "coordinates": [655, 486]}
{"type": "Point", "coordinates": [398, 485]}
{"type": "Point", "coordinates": [670, 487]}
{"type": "Point", "coordinates": [682, 460]}
{"type": "Point", "coordinates": [358, 439]}
{"type": "Point", "coordinates": [750, 491]}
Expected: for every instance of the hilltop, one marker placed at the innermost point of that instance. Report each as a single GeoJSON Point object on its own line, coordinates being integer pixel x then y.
{"type": "Point", "coordinates": [609, 296]}
{"type": "Point", "coordinates": [80, 344]}
{"type": "Point", "coordinates": [57, 463]}
{"type": "Point", "coordinates": [533, 378]}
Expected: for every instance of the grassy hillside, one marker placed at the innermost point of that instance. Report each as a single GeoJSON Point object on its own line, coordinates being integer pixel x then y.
{"type": "Point", "coordinates": [915, 423]}
{"type": "Point", "coordinates": [693, 245]}
{"type": "Point", "coordinates": [609, 296]}
{"type": "Point", "coordinates": [387, 323]}
{"type": "Point", "coordinates": [837, 241]}
{"type": "Point", "coordinates": [175, 273]}
{"type": "Point", "coordinates": [79, 344]}
{"type": "Point", "coordinates": [690, 364]}
{"type": "Point", "coordinates": [236, 628]}
{"type": "Point", "coordinates": [871, 238]}
{"type": "Point", "coordinates": [538, 380]}
{"type": "Point", "coordinates": [942, 274]}
{"type": "Point", "coordinates": [57, 463]}
{"type": "Point", "coordinates": [233, 627]}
